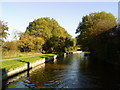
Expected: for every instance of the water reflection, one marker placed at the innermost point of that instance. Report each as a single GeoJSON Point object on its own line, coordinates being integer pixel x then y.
{"type": "Point", "coordinates": [72, 71]}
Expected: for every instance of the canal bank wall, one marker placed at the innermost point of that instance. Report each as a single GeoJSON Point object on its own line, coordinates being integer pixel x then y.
{"type": "Point", "coordinates": [29, 66]}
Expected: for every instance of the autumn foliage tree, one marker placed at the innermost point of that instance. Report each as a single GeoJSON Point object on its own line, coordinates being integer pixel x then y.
{"type": "Point", "coordinates": [28, 43]}
{"type": "Point", "coordinates": [25, 44]}
{"type": "Point", "coordinates": [3, 30]}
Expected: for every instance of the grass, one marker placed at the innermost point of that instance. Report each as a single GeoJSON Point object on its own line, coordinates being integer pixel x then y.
{"type": "Point", "coordinates": [14, 54]}
{"type": "Point", "coordinates": [12, 64]}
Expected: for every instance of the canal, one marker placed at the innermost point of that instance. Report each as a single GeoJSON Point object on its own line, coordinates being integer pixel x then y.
{"type": "Point", "coordinates": [72, 71]}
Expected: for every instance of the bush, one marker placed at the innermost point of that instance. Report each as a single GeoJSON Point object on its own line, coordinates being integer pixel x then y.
{"type": "Point", "coordinates": [9, 45]}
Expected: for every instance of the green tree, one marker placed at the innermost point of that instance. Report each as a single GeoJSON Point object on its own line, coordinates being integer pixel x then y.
{"type": "Point", "coordinates": [54, 44]}
{"type": "Point", "coordinates": [46, 28]}
{"type": "Point", "coordinates": [52, 34]}
{"type": "Point", "coordinates": [43, 27]}
{"type": "Point", "coordinates": [64, 33]}
{"type": "Point", "coordinates": [93, 25]}
{"type": "Point", "coordinates": [59, 44]}
{"type": "Point", "coordinates": [38, 43]}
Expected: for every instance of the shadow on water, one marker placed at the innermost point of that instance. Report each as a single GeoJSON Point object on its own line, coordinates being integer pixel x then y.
{"type": "Point", "coordinates": [100, 74]}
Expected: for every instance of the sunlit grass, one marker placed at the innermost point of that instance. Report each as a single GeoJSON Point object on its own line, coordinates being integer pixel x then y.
{"type": "Point", "coordinates": [16, 54]}
{"type": "Point", "coordinates": [12, 64]}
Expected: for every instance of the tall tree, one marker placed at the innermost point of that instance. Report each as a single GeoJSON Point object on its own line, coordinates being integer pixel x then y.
{"type": "Point", "coordinates": [52, 34]}
{"type": "Point", "coordinates": [46, 28]}
{"type": "Point", "coordinates": [93, 25]}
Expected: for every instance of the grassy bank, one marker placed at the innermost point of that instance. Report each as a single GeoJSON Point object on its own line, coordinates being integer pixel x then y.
{"type": "Point", "coordinates": [15, 54]}
{"type": "Point", "coordinates": [12, 64]}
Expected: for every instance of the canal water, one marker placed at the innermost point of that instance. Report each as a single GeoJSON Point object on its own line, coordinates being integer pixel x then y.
{"type": "Point", "coordinates": [72, 71]}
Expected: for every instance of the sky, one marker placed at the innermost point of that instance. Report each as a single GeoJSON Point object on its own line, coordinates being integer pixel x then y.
{"type": "Point", "coordinates": [68, 14]}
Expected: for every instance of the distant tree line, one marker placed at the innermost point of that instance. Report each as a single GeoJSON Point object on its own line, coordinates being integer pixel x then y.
{"type": "Point", "coordinates": [43, 35]}
{"type": "Point", "coordinates": [99, 33]}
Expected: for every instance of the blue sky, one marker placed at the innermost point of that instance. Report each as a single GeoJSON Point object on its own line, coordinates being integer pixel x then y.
{"type": "Point", "coordinates": [68, 14]}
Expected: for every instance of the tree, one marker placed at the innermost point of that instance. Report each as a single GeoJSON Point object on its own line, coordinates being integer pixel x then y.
{"type": "Point", "coordinates": [43, 27]}
{"type": "Point", "coordinates": [93, 25]}
{"type": "Point", "coordinates": [38, 43]}
{"type": "Point", "coordinates": [10, 45]}
{"type": "Point", "coordinates": [59, 44]}
{"type": "Point", "coordinates": [3, 29]}
{"type": "Point", "coordinates": [25, 44]}
{"type": "Point", "coordinates": [50, 33]}
{"type": "Point", "coordinates": [54, 44]}
{"type": "Point", "coordinates": [46, 28]}
{"type": "Point", "coordinates": [28, 43]}
{"type": "Point", "coordinates": [64, 33]}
